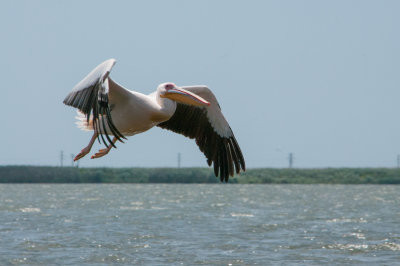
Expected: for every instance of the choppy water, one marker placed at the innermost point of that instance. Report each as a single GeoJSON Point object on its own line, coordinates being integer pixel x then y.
{"type": "Point", "coordinates": [158, 224]}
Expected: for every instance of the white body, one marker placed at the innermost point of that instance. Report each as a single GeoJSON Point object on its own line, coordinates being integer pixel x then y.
{"type": "Point", "coordinates": [129, 117]}
{"type": "Point", "coordinates": [133, 112]}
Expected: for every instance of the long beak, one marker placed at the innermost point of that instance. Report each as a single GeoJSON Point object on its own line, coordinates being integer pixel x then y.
{"type": "Point", "coordinates": [184, 96]}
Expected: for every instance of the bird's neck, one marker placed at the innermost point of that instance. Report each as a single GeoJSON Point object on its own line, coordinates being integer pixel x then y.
{"type": "Point", "coordinates": [167, 106]}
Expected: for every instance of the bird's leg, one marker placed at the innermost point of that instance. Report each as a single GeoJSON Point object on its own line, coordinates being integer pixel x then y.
{"type": "Point", "coordinates": [87, 149]}
{"type": "Point", "coordinates": [103, 152]}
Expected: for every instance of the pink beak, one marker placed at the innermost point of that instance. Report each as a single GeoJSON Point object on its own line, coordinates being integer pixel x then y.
{"type": "Point", "coordinates": [183, 96]}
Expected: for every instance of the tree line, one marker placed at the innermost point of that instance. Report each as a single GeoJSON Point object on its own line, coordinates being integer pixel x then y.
{"type": "Point", "coordinates": [46, 174]}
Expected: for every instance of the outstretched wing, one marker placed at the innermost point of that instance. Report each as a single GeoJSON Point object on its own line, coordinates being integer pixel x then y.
{"type": "Point", "coordinates": [213, 135]}
{"type": "Point", "coordinates": [91, 97]}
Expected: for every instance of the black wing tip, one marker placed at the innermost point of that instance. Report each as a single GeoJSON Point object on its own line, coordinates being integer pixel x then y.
{"type": "Point", "coordinates": [221, 152]}
{"type": "Point", "coordinates": [69, 99]}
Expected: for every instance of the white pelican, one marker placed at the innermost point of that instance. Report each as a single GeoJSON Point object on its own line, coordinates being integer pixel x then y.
{"type": "Point", "coordinates": [193, 111]}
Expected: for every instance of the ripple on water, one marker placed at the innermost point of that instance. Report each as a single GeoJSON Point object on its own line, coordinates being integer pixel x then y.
{"type": "Point", "coordinates": [365, 247]}
{"type": "Point", "coordinates": [347, 220]}
{"type": "Point", "coordinates": [233, 214]}
{"type": "Point", "coordinates": [131, 208]}
{"type": "Point", "coordinates": [30, 209]}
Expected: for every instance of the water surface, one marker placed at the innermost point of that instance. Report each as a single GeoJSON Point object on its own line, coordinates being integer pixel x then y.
{"type": "Point", "coordinates": [176, 224]}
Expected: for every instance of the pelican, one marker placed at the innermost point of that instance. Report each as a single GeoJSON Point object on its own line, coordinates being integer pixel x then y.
{"type": "Point", "coordinates": [113, 111]}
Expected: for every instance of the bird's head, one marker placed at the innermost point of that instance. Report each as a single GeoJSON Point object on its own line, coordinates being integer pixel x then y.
{"type": "Point", "coordinates": [171, 91]}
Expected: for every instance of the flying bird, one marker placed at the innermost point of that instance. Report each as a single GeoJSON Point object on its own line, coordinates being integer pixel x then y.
{"type": "Point", "coordinates": [114, 112]}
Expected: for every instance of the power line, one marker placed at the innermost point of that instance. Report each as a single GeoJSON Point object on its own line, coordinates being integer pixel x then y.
{"type": "Point", "coordinates": [61, 158]}
{"type": "Point", "coordinates": [72, 160]}
{"type": "Point", "coordinates": [74, 163]}
{"type": "Point", "coordinates": [291, 160]}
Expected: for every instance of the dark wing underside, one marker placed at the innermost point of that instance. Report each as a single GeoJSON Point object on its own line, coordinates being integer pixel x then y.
{"type": "Point", "coordinates": [223, 152]}
{"type": "Point", "coordinates": [90, 96]}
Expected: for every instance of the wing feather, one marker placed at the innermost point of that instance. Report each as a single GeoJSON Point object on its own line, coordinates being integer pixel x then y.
{"type": "Point", "coordinates": [212, 133]}
{"type": "Point", "coordinates": [91, 97]}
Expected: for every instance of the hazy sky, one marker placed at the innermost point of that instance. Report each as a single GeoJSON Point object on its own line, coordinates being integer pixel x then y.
{"type": "Point", "coordinates": [320, 79]}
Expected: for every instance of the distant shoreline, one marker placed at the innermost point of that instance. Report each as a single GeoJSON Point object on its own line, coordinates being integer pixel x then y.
{"type": "Point", "coordinates": [51, 174]}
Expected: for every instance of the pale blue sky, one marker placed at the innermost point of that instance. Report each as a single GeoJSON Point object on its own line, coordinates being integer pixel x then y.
{"type": "Point", "coordinates": [316, 78]}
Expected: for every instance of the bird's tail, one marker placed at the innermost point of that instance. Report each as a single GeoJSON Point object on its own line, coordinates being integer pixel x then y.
{"type": "Point", "coordinates": [82, 123]}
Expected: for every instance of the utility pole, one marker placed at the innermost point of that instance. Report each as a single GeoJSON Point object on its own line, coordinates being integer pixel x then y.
{"type": "Point", "coordinates": [291, 159]}
{"type": "Point", "coordinates": [179, 160]}
{"type": "Point", "coordinates": [72, 160]}
{"type": "Point", "coordinates": [398, 160]}
{"type": "Point", "coordinates": [62, 158]}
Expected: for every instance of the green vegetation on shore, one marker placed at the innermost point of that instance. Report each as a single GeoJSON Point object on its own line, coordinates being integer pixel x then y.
{"type": "Point", "coordinates": [46, 174]}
